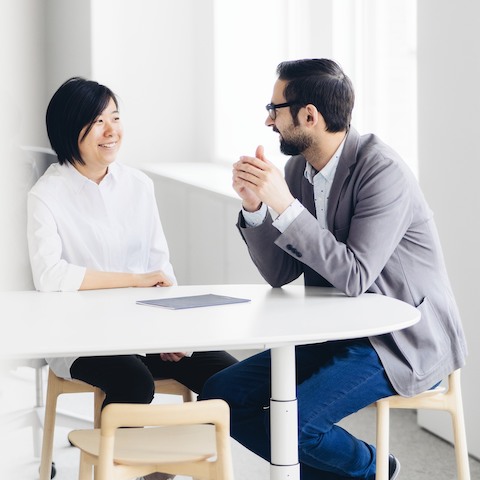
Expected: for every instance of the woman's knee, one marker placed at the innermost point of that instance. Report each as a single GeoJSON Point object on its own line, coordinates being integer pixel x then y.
{"type": "Point", "coordinates": [138, 389]}
{"type": "Point", "coordinates": [129, 382]}
{"type": "Point", "coordinates": [124, 379]}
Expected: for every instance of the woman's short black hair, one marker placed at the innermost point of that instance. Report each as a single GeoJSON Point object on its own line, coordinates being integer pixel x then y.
{"type": "Point", "coordinates": [76, 104]}
{"type": "Point", "coordinates": [320, 82]}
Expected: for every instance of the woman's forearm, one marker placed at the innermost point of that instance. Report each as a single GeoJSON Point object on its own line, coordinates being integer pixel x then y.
{"type": "Point", "coordinates": [95, 279]}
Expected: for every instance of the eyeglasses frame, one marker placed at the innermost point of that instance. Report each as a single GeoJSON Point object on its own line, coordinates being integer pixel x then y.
{"type": "Point", "coordinates": [272, 108]}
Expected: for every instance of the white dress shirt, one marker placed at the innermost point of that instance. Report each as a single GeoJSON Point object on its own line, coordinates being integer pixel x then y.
{"type": "Point", "coordinates": [75, 224]}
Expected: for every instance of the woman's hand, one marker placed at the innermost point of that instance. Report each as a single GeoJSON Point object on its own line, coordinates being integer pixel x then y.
{"type": "Point", "coordinates": [172, 357]}
{"type": "Point", "coordinates": [152, 279]}
{"type": "Point", "coordinates": [95, 279]}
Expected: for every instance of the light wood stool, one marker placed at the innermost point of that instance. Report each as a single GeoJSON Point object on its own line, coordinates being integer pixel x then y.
{"type": "Point", "coordinates": [437, 399]}
{"type": "Point", "coordinates": [190, 439]}
{"type": "Point", "coordinates": [57, 386]}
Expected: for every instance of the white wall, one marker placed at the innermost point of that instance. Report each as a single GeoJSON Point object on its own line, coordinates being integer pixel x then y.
{"type": "Point", "coordinates": [22, 107]}
{"type": "Point", "coordinates": [167, 71]}
{"type": "Point", "coordinates": [68, 41]}
{"type": "Point", "coordinates": [449, 105]}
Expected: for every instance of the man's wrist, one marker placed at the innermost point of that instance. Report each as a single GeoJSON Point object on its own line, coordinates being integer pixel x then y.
{"type": "Point", "coordinates": [250, 209]}
{"type": "Point", "coordinates": [284, 206]}
{"type": "Point", "coordinates": [284, 220]}
{"type": "Point", "coordinates": [256, 218]}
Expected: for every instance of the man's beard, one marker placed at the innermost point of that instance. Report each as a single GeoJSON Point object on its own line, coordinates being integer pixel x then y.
{"type": "Point", "coordinates": [295, 145]}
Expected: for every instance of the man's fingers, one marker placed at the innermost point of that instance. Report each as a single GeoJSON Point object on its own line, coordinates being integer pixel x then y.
{"type": "Point", "coordinates": [259, 153]}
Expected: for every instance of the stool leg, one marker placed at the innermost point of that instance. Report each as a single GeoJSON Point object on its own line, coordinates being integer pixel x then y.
{"type": "Point", "coordinates": [85, 472]}
{"type": "Point", "coordinates": [49, 428]}
{"type": "Point", "coordinates": [383, 433]}
{"type": "Point", "coordinates": [460, 439]}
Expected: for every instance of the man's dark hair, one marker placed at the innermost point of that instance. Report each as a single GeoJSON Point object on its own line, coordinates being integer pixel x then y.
{"type": "Point", "coordinates": [76, 104]}
{"type": "Point", "coordinates": [320, 82]}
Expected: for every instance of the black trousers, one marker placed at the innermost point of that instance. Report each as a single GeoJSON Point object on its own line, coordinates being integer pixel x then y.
{"type": "Point", "coordinates": [130, 378]}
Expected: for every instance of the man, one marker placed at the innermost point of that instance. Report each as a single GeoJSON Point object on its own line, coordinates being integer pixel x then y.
{"type": "Point", "coordinates": [348, 214]}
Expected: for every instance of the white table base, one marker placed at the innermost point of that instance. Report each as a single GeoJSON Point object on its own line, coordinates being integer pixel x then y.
{"type": "Point", "coordinates": [284, 415]}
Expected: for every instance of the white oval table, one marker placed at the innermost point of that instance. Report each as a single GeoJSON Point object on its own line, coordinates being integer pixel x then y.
{"type": "Point", "coordinates": [109, 322]}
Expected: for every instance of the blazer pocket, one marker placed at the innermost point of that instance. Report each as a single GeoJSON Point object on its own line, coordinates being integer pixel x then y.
{"type": "Point", "coordinates": [424, 344]}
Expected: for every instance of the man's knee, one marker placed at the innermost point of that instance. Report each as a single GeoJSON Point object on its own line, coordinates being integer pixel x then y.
{"type": "Point", "coordinates": [308, 440]}
{"type": "Point", "coordinates": [213, 388]}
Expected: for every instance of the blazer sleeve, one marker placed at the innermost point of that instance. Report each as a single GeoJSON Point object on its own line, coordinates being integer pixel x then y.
{"type": "Point", "coordinates": [275, 265]}
{"type": "Point", "coordinates": [371, 217]}
{"type": "Point", "coordinates": [372, 212]}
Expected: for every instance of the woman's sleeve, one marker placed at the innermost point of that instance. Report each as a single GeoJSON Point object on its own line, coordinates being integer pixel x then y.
{"type": "Point", "coordinates": [50, 272]}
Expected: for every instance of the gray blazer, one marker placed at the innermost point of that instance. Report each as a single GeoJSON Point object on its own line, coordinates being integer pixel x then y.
{"type": "Point", "coordinates": [381, 238]}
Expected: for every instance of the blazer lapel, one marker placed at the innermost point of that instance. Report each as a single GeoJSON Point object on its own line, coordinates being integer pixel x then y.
{"type": "Point", "coordinates": [347, 160]}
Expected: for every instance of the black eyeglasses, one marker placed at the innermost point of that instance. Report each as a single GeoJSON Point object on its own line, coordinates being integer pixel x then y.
{"type": "Point", "coordinates": [272, 108]}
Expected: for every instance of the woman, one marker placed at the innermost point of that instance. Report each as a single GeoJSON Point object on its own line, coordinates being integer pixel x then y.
{"type": "Point", "coordinates": [93, 223]}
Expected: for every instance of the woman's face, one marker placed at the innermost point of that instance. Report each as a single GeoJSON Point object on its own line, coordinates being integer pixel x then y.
{"type": "Point", "coordinates": [100, 147]}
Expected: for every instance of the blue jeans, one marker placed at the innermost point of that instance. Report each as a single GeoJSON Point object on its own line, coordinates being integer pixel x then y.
{"type": "Point", "coordinates": [334, 380]}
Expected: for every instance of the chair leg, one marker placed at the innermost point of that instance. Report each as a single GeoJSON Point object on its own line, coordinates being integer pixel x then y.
{"type": "Point", "coordinates": [85, 471]}
{"type": "Point", "coordinates": [460, 437]}
{"type": "Point", "coordinates": [98, 399]}
{"type": "Point", "coordinates": [187, 395]}
{"type": "Point", "coordinates": [39, 405]}
{"type": "Point", "coordinates": [49, 429]}
{"type": "Point", "coordinates": [383, 438]}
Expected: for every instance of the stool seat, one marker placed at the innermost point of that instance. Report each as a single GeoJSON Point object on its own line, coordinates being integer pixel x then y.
{"type": "Point", "coordinates": [140, 446]}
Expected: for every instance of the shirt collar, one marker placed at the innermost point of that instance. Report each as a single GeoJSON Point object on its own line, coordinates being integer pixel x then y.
{"type": "Point", "coordinates": [79, 181]}
{"type": "Point", "coordinates": [328, 171]}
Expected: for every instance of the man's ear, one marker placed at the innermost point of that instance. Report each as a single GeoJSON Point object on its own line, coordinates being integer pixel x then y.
{"type": "Point", "coordinates": [311, 115]}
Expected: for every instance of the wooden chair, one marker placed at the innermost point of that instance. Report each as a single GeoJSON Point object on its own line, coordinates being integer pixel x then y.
{"type": "Point", "coordinates": [437, 399]}
{"type": "Point", "coordinates": [57, 386]}
{"type": "Point", "coordinates": [190, 439]}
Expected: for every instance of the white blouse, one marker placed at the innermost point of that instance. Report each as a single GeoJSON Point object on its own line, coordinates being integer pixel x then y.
{"type": "Point", "coordinates": [75, 224]}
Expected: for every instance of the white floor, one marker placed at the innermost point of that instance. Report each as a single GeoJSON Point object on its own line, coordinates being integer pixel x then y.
{"type": "Point", "coordinates": [423, 456]}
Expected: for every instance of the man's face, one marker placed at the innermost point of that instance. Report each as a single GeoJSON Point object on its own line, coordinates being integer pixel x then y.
{"type": "Point", "coordinates": [294, 140]}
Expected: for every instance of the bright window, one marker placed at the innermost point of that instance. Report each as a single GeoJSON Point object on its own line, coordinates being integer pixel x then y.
{"type": "Point", "coordinates": [373, 40]}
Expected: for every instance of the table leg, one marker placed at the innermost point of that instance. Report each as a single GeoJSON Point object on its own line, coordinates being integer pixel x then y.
{"type": "Point", "coordinates": [284, 416]}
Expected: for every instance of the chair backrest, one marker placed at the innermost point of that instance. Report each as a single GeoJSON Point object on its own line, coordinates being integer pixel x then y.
{"type": "Point", "coordinates": [194, 439]}
{"type": "Point", "coordinates": [38, 159]}
{"type": "Point", "coordinates": [117, 415]}
{"type": "Point", "coordinates": [25, 166]}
